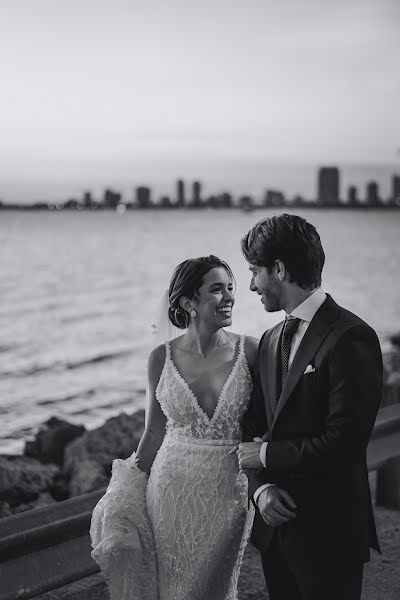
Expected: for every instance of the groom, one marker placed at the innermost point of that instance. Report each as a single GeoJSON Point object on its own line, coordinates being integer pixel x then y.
{"type": "Point", "coordinates": [316, 395]}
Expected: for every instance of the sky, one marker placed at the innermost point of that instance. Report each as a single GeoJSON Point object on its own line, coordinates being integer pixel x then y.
{"type": "Point", "coordinates": [96, 91]}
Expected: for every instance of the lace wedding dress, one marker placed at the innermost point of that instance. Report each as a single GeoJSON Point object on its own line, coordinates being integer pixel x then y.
{"type": "Point", "coordinates": [196, 498]}
{"type": "Point", "coordinates": [122, 536]}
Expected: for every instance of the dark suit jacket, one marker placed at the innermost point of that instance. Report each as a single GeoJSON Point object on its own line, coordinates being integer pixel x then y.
{"type": "Point", "coordinates": [318, 435]}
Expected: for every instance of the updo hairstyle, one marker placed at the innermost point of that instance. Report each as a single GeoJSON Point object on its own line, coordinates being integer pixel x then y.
{"type": "Point", "coordinates": [186, 281]}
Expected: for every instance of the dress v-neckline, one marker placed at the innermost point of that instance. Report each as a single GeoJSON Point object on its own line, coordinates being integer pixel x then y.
{"type": "Point", "coordinates": [193, 396]}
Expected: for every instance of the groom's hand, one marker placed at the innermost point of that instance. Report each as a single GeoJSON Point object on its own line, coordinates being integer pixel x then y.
{"type": "Point", "coordinates": [276, 506]}
{"type": "Point", "coordinates": [249, 455]}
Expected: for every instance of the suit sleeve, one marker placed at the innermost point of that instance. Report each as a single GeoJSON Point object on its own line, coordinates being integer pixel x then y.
{"type": "Point", "coordinates": [255, 419]}
{"type": "Point", "coordinates": [255, 425]}
{"type": "Point", "coordinates": [355, 392]}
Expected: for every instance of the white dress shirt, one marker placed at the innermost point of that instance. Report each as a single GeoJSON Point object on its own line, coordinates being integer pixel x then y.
{"type": "Point", "coordinates": [305, 312]}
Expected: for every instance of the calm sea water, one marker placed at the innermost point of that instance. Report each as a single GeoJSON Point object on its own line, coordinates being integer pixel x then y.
{"type": "Point", "coordinates": [79, 292]}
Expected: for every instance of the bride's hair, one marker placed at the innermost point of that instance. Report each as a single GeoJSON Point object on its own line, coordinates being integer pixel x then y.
{"type": "Point", "coordinates": [186, 281]}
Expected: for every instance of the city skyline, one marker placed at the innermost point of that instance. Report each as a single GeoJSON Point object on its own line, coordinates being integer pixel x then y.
{"type": "Point", "coordinates": [238, 178]}
{"type": "Point", "coordinates": [191, 194]}
{"type": "Point", "coordinates": [93, 90]}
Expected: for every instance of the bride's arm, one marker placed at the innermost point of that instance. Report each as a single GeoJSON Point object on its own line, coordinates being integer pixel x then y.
{"type": "Point", "coordinates": [155, 419]}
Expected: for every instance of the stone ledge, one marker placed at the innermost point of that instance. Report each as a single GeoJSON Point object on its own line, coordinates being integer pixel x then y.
{"type": "Point", "coordinates": [90, 588]}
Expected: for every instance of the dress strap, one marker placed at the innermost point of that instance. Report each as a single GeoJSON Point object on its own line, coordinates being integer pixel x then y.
{"type": "Point", "coordinates": [241, 344]}
{"type": "Point", "coordinates": [168, 350]}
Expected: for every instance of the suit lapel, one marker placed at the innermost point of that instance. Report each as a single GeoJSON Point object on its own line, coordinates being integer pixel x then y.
{"type": "Point", "coordinates": [320, 326]}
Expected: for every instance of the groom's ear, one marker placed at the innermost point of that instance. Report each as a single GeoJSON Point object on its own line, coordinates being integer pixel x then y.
{"type": "Point", "coordinates": [280, 270]}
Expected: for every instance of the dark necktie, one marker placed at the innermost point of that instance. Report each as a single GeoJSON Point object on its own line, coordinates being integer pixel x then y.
{"type": "Point", "coordinates": [289, 329]}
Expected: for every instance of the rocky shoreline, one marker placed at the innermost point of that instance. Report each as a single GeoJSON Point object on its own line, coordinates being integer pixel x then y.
{"type": "Point", "coordinates": [66, 460]}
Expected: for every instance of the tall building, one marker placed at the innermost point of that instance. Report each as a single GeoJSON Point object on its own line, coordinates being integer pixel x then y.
{"type": "Point", "coordinates": [180, 193]}
{"type": "Point", "coordinates": [143, 197]}
{"type": "Point", "coordinates": [165, 202]}
{"type": "Point", "coordinates": [211, 201]}
{"type": "Point", "coordinates": [196, 199]}
{"type": "Point", "coordinates": [328, 186]}
{"type": "Point", "coordinates": [373, 194]}
{"type": "Point", "coordinates": [274, 198]}
{"type": "Point", "coordinates": [352, 195]}
{"type": "Point", "coordinates": [225, 200]}
{"type": "Point", "coordinates": [395, 195]}
{"type": "Point", "coordinates": [87, 200]}
{"type": "Point", "coordinates": [246, 203]}
{"type": "Point", "coordinates": [111, 199]}
{"type": "Point", "coordinates": [298, 201]}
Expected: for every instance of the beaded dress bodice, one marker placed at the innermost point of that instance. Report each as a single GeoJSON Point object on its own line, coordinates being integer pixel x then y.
{"type": "Point", "coordinates": [184, 414]}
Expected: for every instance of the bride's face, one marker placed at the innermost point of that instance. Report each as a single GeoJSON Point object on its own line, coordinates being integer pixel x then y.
{"type": "Point", "coordinates": [216, 298]}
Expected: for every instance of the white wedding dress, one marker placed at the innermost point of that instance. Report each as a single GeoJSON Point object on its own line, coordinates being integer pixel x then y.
{"type": "Point", "coordinates": [197, 500]}
{"type": "Point", "coordinates": [181, 533]}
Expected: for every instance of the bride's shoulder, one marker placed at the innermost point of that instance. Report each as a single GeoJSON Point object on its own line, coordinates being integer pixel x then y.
{"type": "Point", "coordinates": [157, 358]}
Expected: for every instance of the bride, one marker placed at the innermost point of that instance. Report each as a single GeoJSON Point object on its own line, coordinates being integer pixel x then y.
{"type": "Point", "coordinates": [199, 387]}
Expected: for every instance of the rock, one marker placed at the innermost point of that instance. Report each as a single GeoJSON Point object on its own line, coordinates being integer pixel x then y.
{"type": "Point", "coordinates": [43, 499]}
{"type": "Point", "coordinates": [391, 371]}
{"type": "Point", "coordinates": [23, 479]}
{"type": "Point", "coordinates": [118, 437]}
{"type": "Point", "coordinates": [391, 361]}
{"type": "Point", "coordinates": [394, 380]}
{"type": "Point", "coordinates": [51, 439]}
{"type": "Point", "coordinates": [5, 510]}
{"type": "Point", "coordinates": [395, 339]}
{"type": "Point", "coordinates": [59, 488]}
{"type": "Point", "coordinates": [88, 459]}
{"type": "Point", "coordinates": [391, 390]}
{"type": "Point", "coordinates": [87, 476]}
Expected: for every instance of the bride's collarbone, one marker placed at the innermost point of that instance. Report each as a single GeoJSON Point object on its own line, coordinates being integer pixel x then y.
{"type": "Point", "coordinates": [197, 366]}
{"type": "Point", "coordinates": [222, 351]}
{"type": "Point", "coordinates": [222, 354]}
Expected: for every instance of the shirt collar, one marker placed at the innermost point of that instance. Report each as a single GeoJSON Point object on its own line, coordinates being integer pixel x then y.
{"type": "Point", "coordinates": [307, 309]}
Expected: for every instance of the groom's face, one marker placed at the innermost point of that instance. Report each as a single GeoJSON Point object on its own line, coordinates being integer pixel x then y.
{"type": "Point", "coordinates": [268, 286]}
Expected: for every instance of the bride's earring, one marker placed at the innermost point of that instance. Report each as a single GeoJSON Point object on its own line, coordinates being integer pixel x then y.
{"type": "Point", "coordinates": [193, 313]}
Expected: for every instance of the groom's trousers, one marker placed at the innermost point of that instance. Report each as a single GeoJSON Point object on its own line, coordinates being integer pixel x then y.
{"type": "Point", "coordinates": [286, 582]}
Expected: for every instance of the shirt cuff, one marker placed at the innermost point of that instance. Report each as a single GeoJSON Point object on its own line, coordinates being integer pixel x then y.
{"type": "Point", "coordinates": [263, 453]}
{"type": "Point", "coordinates": [258, 491]}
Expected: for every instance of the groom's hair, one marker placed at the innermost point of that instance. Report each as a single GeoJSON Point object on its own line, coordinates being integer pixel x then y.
{"type": "Point", "coordinates": [292, 240]}
{"type": "Point", "coordinates": [186, 281]}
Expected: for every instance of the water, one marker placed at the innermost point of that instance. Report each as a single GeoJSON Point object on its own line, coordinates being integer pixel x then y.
{"type": "Point", "coordinates": [79, 292]}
